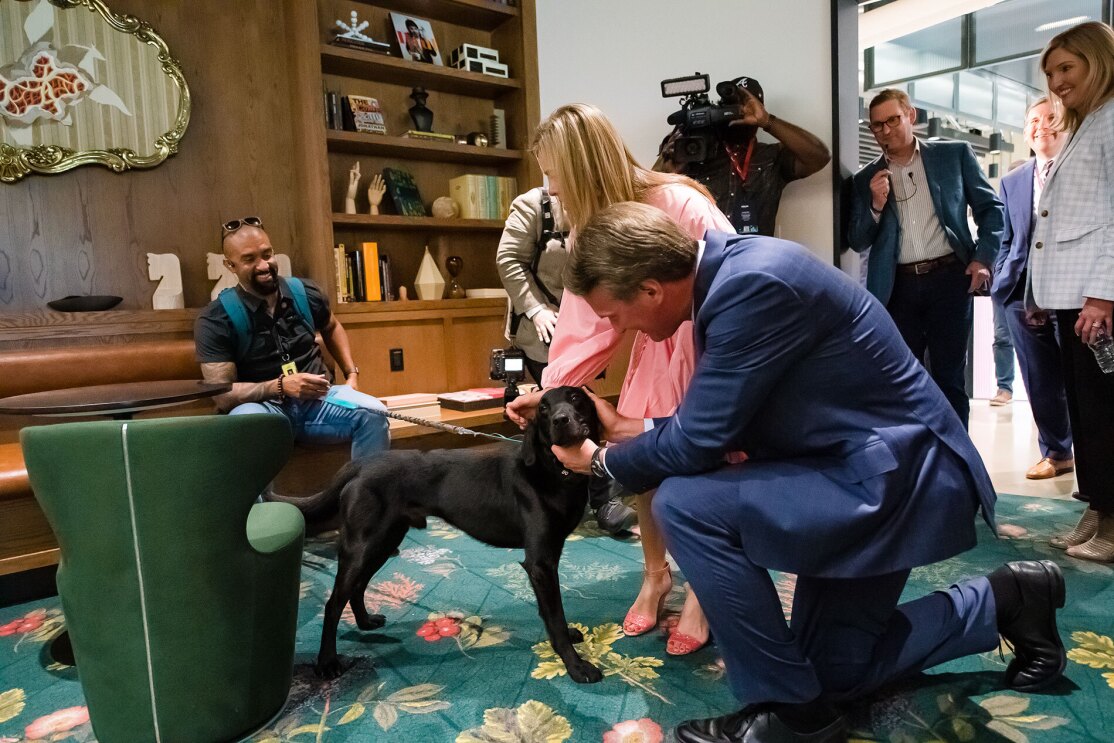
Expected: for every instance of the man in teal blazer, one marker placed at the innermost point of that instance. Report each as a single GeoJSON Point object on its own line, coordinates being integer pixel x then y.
{"type": "Point", "coordinates": [909, 208]}
{"type": "Point", "coordinates": [857, 472]}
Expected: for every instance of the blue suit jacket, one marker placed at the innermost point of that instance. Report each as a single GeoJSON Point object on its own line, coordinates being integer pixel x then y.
{"type": "Point", "coordinates": [955, 182]}
{"type": "Point", "coordinates": [798, 364]}
{"type": "Point", "coordinates": [1017, 195]}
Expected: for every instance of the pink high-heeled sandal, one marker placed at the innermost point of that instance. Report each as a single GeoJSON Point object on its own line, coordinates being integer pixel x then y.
{"type": "Point", "coordinates": [635, 624]}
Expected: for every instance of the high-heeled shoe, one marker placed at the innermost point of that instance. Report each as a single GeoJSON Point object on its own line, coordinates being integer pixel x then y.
{"type": "Point", "coordinates": [635, 624]}
{"type": "Point", "coordinates": [1079, 534]}
{"type": "Point", "coordinates": [1100, 547]}
{"type": "Point", "coordinates": [679, 643]}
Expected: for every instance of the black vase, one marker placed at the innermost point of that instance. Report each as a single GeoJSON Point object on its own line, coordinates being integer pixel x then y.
{"type": "Point", "coordinates": [419, 114]}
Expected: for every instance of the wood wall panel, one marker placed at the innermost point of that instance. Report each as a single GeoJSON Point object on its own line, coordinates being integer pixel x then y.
{"type": "Point", "coordinates": [88, 230]}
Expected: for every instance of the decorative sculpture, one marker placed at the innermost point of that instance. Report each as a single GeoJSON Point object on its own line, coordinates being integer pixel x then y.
{"type": "Point", "coordinates": [454, 264]}
{"type": "Point", "coordinates": [429, 283]}
{"type": "Point", "coordinates": [353, 183]}
{"type": "Point", "coordinates": [375, 191]}
{"type": "Point", "coordinates": [165, 268]}
{"type": "Point", "coordinates": [214, 264]}
{"type": "Point", "coordinates": [445, 208]}
{"type": "Point", "coordinates": [419, 114]}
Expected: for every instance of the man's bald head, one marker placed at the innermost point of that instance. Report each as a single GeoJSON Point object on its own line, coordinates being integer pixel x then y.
{"type": "Point", "coordinates": [249, 255]}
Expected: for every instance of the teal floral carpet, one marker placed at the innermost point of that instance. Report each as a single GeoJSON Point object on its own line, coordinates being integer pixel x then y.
{"type": "Point", "coordinates": [464, 656]}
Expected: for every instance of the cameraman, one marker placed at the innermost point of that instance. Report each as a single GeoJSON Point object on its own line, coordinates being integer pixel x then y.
{"type": "Point", "coordinates": [747, 176]}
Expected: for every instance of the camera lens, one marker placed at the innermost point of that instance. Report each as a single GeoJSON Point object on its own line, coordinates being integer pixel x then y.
{"type": "Point", "coordinates": [727, 91]}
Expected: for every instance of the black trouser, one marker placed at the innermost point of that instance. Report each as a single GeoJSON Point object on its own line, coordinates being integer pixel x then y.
{"type": "Point", "coordinates": [1091, 411]}
{"type": "Point", "coordinates": [535, 368]}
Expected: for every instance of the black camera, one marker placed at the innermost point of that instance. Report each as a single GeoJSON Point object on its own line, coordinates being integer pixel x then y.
{"type": "Point", "coordinates": [508, 365]}
{"type": "Point", "coordinates": [699, 118]}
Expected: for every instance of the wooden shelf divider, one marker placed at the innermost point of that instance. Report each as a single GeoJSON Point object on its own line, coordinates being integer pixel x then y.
{"type": "Point", "coordinates": [359, 143]}
{"type": "Point", "coordinates": [400, 223]}
{"type": "Point", "coordinates": [337, 60]}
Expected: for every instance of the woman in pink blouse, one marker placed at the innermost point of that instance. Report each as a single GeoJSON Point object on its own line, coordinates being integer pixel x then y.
{"type": "Point", "coordinates": [589, 167]}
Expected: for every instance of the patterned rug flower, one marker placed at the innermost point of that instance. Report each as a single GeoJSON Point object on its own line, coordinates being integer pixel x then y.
{"type": "Point", "coordinates": [464, 656]}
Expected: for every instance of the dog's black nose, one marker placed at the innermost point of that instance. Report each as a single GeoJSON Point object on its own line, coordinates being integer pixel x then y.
{"type": "Point", "coordinates": [561, 419]}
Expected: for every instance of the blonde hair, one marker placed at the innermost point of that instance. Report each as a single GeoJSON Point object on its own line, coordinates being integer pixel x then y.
{"type": "Point", "coordinates": [891, 94]}
{"type": "Point", "coordinates": [625, 244]}
{"type": "Point", "coordinates": [592, 163]}
{"type": "Point", "coordinates": [1093, 42]}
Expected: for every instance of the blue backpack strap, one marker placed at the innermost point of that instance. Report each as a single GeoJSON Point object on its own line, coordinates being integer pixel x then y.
{"type": "Point", "coordinates": [301, 302]}
{"type": "Point", "coordinates": [241, 323]}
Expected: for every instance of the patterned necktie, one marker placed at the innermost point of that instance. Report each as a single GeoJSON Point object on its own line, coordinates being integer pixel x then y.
{"type": "Point", "coordinates": [1045, 171]}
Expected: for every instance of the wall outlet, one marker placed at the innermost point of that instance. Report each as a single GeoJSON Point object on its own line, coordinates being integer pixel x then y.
{"type": "Point", "coordinates": [396, 359]}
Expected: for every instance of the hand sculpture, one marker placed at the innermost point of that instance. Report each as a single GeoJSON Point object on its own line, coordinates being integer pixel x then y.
{"type": "Point", "coordinates": [375, 193]}
{"type": "Point", "coordinates": [353, 182]}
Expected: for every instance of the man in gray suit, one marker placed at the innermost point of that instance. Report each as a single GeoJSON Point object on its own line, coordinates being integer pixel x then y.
{"type": "Point", "coordinates": [909, 207]}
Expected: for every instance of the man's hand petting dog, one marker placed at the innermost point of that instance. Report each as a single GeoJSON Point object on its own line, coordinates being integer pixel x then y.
{"type": "Point", "coordinates": [614, 427]}
{"type": "Point", "coordinates": [508, 497]}
{"type": "Point", "coordinates": [577, 457]}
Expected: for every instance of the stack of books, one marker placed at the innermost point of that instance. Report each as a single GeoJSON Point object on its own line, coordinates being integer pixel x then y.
{"type": "Point", "coordinates": [483, 196]}
{"type": "Point", "coordinates": [363, 275]}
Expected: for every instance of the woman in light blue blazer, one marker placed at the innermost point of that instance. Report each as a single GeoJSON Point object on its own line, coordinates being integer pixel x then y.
{"type": "Point", "coordinates": [1072, 265]}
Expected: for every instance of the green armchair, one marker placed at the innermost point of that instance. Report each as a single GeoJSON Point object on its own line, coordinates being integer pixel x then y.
{"type": "Point", "coordinates": [180, 595]}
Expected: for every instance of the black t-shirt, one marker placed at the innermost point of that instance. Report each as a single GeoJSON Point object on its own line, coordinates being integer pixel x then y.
{"type": "Point", "coordinates": [750, 205]}
{"type": "Point", "coordinates": [271, 339]}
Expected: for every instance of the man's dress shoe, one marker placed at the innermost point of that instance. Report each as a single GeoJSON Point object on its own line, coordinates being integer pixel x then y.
{"type": "Point", "coordinates": [1039, 658]}
{"type": "Point", "coordinates": [757, 723]}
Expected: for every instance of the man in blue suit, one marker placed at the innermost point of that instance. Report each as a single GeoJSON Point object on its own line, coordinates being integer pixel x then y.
{"type": "Point", "coordinates": [1034, 333]}
{"type": "Point", "coordinates": [909, 207]}
{"type": "Point", "coordinates": [858, 472]}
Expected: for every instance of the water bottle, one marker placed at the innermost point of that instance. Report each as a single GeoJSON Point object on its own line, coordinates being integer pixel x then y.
{"type": "Point", "coordinates": [1104, 351]}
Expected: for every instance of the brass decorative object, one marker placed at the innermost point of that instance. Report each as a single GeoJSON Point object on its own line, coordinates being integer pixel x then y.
{"type": "Point", "coordinates": [47, 84]}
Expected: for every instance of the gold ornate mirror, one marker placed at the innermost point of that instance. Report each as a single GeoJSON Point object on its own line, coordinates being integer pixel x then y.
{"type": "Point", "coordinates": [81, 85]}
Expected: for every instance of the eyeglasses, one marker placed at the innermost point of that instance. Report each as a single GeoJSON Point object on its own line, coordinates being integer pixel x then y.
{"type": "Point", "coordinates": [232, 225]}
{"type": "Point", "coordinates": [890, 123]}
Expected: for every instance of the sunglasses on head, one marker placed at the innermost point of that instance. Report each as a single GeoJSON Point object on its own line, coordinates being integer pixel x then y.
{"type": "Point", "coordinates": [232, 225]}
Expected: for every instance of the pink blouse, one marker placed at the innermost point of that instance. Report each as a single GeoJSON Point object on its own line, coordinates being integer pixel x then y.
{"type": "Point", "coordinates": [659, 372]}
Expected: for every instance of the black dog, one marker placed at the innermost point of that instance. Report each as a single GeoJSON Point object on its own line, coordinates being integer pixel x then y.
{"type": "Point", "coordinates": [509, 497]}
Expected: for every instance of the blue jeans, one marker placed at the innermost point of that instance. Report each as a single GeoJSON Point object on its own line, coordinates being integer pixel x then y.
{"type": "Point", "coordinates": [1003, 349]}
{"type": "Point", "coordinates": [319, 422]}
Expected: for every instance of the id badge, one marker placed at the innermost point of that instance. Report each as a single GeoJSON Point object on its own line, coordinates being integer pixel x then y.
{"type": "Point", "coordinates": [289, 369]}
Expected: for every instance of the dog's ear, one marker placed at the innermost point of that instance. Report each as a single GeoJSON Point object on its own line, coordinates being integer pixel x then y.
{"type": "Point", "coordinates": [532, 444]}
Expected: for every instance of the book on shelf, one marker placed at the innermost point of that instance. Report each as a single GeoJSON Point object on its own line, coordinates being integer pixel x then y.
{"type": "Point", "coordinates": [378, 47]}
{"type": "Point", "coordinates": [386, 281]}
{"type": "Point", "coordinates": [483, 196]}
{"type": "Point", "coordinates": [476, 398]}
{"type": "Point", "coordinates": [431, 136]}
{"type": "Point", "coordinates": [366, 114]}
{"type": "Point", "coordinates": [373, 286]}
{"type": "Point", "coordinates": [404, 192]}
{"type": "Point", "coordinates": [356, 272]}
{"type": "Point", "coordinates": [334, 118]}
{"type": "Point", "coordinates": [341, 260]}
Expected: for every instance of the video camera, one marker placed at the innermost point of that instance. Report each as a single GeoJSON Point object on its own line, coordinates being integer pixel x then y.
{"type": "Point", "coordinates": [699, 117]}
{"type": "Point", "coordinates": [508, 365]}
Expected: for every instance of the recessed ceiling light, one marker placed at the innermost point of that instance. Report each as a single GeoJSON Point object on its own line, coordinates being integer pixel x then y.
{"type": "Point", "coordinates": [1065, 22]}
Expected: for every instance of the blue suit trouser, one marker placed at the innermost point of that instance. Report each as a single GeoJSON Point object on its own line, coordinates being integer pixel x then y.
{"type": "Point", "coordinates": [846, 636]}
{"type": "Point", "coordinates": [1038, 355]}
{"type": "Point", "coordinates": [319, 422]}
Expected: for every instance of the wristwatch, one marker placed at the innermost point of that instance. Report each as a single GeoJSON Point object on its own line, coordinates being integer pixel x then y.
{"type": "Point", "coordinates": [355, 370]}
{"type": "Point", "coordinates": [597, 468]}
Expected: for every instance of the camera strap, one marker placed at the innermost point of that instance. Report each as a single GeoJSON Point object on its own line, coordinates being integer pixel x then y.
{"type": "Point", "coordinates": [549, 232]}
{"type": "Point", "coordinates": [733, 153]}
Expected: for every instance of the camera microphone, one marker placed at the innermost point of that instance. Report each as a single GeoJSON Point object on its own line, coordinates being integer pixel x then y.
{"type": "Point", "coordinates": [676, 118]}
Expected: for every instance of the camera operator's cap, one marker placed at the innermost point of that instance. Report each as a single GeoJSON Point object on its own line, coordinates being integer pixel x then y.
{"type": "Point", "coordinates": [752, 86]}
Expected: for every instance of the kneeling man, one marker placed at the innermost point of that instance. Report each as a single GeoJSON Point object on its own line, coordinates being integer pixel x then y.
{"type": "Point", "coordinates": [859, 471]}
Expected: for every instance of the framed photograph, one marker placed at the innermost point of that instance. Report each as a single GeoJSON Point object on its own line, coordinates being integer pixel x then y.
{"type": "Point", "coordinates": [366, 114]}
{"type": "Point", "coordinates": [415, 39]}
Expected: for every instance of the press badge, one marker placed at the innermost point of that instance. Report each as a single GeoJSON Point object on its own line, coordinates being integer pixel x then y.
{"type": "Point", "coordinates": [289, 369]}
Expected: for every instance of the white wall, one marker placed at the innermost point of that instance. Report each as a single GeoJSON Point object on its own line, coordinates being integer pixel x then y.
{"type": "Point", "coordinates": [614, 53]}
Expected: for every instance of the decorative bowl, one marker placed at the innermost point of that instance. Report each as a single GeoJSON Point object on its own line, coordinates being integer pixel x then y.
{"type": "Point", "coordinates": [85, 303]}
